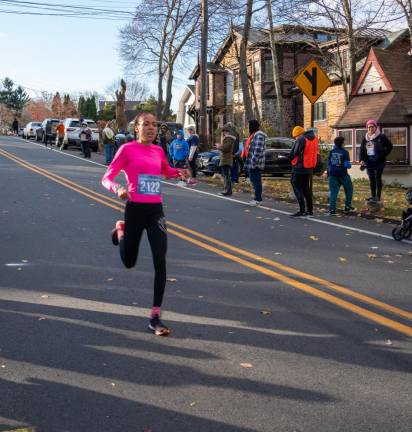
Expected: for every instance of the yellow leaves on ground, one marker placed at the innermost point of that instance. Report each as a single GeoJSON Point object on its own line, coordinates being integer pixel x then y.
{"type": "Point", "coordinates": [312, 237]}
{"type": "Point", "coordinates": [246, 365]}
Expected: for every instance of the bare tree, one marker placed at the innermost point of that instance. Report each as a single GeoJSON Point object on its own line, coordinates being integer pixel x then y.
{"type": "Point", "coordinates": [354, 27]}
{"type": "Point", "coordinates": [156, 37]}
{"type": "Point", "coordinates": [405, 7]}
{"type": "Point", "coordinates": [135, 90]}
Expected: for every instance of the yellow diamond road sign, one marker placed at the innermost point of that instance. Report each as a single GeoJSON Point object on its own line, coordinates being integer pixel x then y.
{"type": "Point", "coordinates": [313, 81]}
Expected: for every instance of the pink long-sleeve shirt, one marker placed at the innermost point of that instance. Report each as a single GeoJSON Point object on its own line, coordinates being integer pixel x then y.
{"type": "Point", "coordinates": [143, 166]}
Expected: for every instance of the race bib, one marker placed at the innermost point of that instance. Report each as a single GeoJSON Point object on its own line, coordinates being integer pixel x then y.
{"type": "Point", "coordinates": [370, 148]}
{"type": "Point", "coordinates": [148, 184]}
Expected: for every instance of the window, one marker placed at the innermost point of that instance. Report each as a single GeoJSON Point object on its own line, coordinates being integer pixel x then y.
{"type": "Point", "coordinates": [256, 70]}
{"type": "Point", "coordinates": [321, 37]}
{"type": "Point", "coordinates": [359, 135]}
{"type": "Point", "coordinates": [319, 111]}
{"type": "Point", "coordinates": [268, 69]}
{"type": "Point", "coordinates": [347, 134]}
{"type": "Point", "coordinates": [398, 137]}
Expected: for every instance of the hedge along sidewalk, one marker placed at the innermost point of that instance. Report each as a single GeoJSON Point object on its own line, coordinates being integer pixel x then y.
{"type": "Point", "coordinates": [279, 188]}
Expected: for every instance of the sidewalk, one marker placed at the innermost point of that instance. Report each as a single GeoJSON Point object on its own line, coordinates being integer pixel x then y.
{"type": "Point", "coordinates": [279, 188]}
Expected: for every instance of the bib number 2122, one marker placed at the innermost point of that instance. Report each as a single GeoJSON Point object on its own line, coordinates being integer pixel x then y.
{"type": "Point", "coordinates": [149, 184]}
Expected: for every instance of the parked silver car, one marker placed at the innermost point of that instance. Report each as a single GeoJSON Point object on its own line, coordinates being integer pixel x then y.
{"type": "Point", "coordinates": [72, 128]}
{"type": "Point", "coordinates": [29, 130]}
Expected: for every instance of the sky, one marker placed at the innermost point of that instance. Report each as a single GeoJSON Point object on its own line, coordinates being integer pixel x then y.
{"type": "Point", "coordinates": [67, 54]}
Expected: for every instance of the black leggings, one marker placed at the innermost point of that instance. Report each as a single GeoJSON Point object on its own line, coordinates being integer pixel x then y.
{"type": "Point", "coordinates": [375, 181]}
{"type": "Point", "coordinates": [302, 186]}
{"type": "Point", "coordinates": [149, 217]}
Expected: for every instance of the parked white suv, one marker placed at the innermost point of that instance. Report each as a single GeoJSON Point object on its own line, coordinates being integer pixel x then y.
{"type": "Point", "coordinates": [29, 130]}
{"type": "Point", "coordinates": [72, 128]}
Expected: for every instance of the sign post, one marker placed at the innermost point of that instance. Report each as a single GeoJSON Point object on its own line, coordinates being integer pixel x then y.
{"type": "Point", "coordinates": [312, 81]}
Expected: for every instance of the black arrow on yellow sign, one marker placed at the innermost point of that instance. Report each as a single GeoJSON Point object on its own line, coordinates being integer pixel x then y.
{"type": "Point", "coordinates": [313, 79]}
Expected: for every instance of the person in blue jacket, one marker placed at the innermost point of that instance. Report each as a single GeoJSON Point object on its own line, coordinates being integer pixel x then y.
{"type": "Point", "coordinates": [179, 150]}
{"type": "Point", "coordinates": [338, 165]}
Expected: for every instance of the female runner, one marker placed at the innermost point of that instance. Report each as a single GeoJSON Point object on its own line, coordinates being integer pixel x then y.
{"type": "Point", "coordinates": [143, 164]}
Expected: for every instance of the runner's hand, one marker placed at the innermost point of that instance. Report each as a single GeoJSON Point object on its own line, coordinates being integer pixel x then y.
{"type": "Point", "coordinates": [184, 173]}
{"type": "Point", "coordinates": [122, 193]}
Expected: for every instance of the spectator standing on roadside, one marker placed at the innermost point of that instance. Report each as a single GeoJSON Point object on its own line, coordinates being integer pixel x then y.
{"type": "Point", "coordinates": [226, 158]}
{"type": "Point", "coordinates": [254, 154]}
{"type": "Point", "coordinates": [236, 154]}
{"type": "Point", "coordinates": [60, 135]}
{"type": "Point", "coordinates": [165, 138]}
{"type": "Point", "coordinates": [193, 142]}
{"type": "Point", "coordinates": [374, 149]}
{"type": "Point", "coordinates": [108, 138]}
{"type": "Point", "coordinates": [303, 156]}
{"type": "Point", "coordinates": [338, 165]}
{"type": "Point", "coordinates": [179, 150]}
{"type": "Point", "coordinates": [85, 136]}
{"type": "Point", "coordinates": [15, 126]}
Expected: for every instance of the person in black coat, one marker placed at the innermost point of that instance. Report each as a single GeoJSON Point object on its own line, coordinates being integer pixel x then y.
{"type": "Point", "coordinates": [374, 149]}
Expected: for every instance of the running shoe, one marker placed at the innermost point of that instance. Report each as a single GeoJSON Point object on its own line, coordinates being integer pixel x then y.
{"type": "Point", "coordinates": [158, 328]}
{"type": "Point", "coordinates": [115, 238]}
{"type": "Point", "coordinates": [348, 209]}
{"type": "Point", "coordinates": [191, 182]}
{"type": "Point", "coordinates": [255, 203]}
{"type": "Point", "coordinates": [298, 214]}
{"type": "Point", "coordinates": [181, 183]}
{"type": "Point", "coordinates": [331, 213]}
{"type": "Point", "coordinates": [309, 214]}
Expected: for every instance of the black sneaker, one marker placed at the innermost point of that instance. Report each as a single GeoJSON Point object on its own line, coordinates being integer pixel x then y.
{"type": "Point", "coordinates": [298, 214]}
{"type": "Point", "coordinates": [309, 214]}
{"type": "Point", "coordinates": [331, 213]}
{"type": "Point", "coordinates": [158, 328]}
{"type": "Point", "coordinates": [348, 209]}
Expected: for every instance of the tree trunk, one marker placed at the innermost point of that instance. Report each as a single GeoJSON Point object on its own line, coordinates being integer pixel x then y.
{"type": "Point", "coordinates": [243, 61]}
{"type": "Point", "coordinates": [253, 93]}
{"type": "Point", "coordinates": [276, 72]}
{"type": "Point", "coordinates": [168, 101]}
{"type": "Point", "coordinates": [351, 46]}
{"type": "Point", "coordinates": [121, 119]}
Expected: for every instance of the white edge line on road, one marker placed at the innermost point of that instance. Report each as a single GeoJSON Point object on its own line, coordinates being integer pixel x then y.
{"type": "Point", "coordinates": [273, 210]}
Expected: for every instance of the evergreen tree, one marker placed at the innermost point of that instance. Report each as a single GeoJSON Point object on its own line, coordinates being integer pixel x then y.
{"type": "Point", "coordinates": [82, 107]}
{"type": "Point", "coordinates": [14, 98]}
{"type": "Point", "coordinates": [92, 108]}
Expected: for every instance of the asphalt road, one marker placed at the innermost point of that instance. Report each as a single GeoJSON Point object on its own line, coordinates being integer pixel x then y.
{"type": "Point", "coordinates": [278, 324]}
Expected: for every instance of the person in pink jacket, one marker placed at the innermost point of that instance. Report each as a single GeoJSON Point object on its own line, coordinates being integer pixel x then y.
{"type": "Point", "coordinates": [144, 164]}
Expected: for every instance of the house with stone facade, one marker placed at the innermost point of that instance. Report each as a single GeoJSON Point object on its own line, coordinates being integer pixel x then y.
{"type": "Point", "coordinates": [383, 92]}
{"type": "Point", "coordinates": [295, 46]}
{"type": "Point", "coordinates": [330, 106]}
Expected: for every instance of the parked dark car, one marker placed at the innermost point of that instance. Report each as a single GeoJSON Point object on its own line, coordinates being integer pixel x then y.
{"type": "Point", "coordinates": [276, 158]}
{"type": "Point", "coordinates": [47, 131]}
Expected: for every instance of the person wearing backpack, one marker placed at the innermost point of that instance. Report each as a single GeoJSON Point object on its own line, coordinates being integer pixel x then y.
{"type": "Point", "coordinates": [303, 156]}
{"type": "Point", "coordinates": [337, 173]}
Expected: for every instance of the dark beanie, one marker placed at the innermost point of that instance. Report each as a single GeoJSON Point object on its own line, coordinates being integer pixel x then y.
{"type": "Point", "coordinates": [253, 126]}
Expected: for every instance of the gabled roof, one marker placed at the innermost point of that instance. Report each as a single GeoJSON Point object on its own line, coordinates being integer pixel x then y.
{"type": "Point", "coordinates": [211, 67]}
{"type": "Point", "coordinates": [393, 37]}
{"type": "Point", "coordinates": [388, 107]}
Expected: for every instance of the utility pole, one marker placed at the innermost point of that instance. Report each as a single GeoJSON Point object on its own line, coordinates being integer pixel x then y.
{"type": "Point", "coordinates": [203, 75]}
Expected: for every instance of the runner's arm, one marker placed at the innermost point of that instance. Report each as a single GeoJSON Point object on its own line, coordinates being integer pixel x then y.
{"type": "Point", "coordinates": [113, 169]}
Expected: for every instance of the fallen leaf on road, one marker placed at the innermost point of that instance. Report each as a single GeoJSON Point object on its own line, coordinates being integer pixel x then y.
{"type": "Point", "coordinates": [410, 252]}
{"type": "Point", "coordinates": [18, 268]}
{"type": "Point", "coordinates": [247, 211]}
{"type": "Point", "coordinates": [259, 217]}
{"type": "Point", "coordinates": [312, 237]}
{"type": "Point", "coordinates": [342, 259]}
{"type": "Point", "coordinates": [3, 366]}
{"type": "Point", "coordinates": [278, 253]}
{"type": "Point", "coordinates": [24, 261]}
{"type": "Point", "coordinates": [45, 296]}
{"type": "Point", "coordinates": [265, 312]}
{"type": "Point", "coordinates": [374, 247]}
{"type": "Point", "coordinates": [371, 256]}
{"type": "Point", "coordinates": [246, 365]}
{"type": "Point", "coordinates": [192, 404]}
{"type": "Point", "coordinates": [390, 262]}
{"type": "Point", "coordinates": [171, 279]}
{"type": "Point", "coordinates": [113, 384]}
{"type": "Point", "coordinates": [278, 219]}
{"type": "Point", "coordinates": [42, 319]}
{"type": "Point", "coordinates": [399, 255]}
{"type": "Point", "coordinates": [388, 342]}
{"type": "Point", "coordinates": [200, 297]}
{"type": "Point", "coordinates": [110, 279]}
{"type": "Point", "coordinates": [378, 220]}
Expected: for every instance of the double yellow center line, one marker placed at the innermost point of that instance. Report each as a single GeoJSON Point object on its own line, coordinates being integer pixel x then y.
{"type": "Point", "coordinates": [252, 260]}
